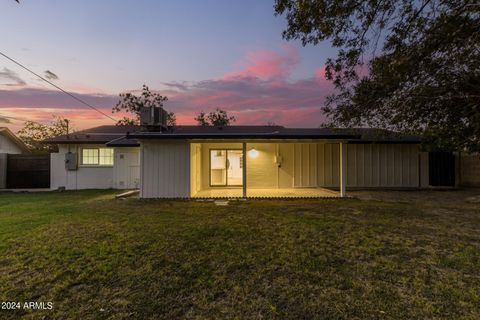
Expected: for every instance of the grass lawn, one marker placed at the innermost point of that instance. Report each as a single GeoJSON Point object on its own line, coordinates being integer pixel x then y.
{"type": "Point", "coordinates": [99, 258]}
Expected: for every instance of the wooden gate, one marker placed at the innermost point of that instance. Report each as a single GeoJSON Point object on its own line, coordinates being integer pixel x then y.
{"type": "Point", "coordinates": [441, 169]}
{"type": "Point", "coordinates": [26, 171]}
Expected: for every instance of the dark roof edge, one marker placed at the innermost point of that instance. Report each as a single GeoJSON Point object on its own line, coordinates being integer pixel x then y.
{"type": "Point", "coordinates": [166, 136]}
{"type": "Point", "coordinates": [75, 142]}
{"type": "Point", "coordinates": [369, 141]}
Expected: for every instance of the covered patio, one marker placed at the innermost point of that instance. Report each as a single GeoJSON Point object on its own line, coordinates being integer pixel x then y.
{"type": "Point", "coordinates": [268, 193]}
{"type": "Point", "coordinates": [267, 169]}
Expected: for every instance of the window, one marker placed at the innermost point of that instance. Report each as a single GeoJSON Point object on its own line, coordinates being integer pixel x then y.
{"type": "Point", "coordinates": [97, 156]}
{"type": "Point", "coordinates": [89, 156]}
{"type": "Point", "coordinates": [105, 157]}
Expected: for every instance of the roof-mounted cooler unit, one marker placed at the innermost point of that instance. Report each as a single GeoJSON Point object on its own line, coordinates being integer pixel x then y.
{"type": "Point", "coordinates": [153, 118]}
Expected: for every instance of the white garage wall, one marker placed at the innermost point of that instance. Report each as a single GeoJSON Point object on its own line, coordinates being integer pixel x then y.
{"type": "Point", "coordinates": [8, 146]}
{"type": "Point", "coordinates": [165, 169]}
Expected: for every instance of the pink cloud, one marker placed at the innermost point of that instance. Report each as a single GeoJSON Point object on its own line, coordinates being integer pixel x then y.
{"type": "Point", "coordinates": [255, 101]}
{"type": "Point", "coordinates": [319, 73]}
{"type": "Point", "coordinates": [267, 64]}
{"type": "Point", "coordinates": [258, 92]}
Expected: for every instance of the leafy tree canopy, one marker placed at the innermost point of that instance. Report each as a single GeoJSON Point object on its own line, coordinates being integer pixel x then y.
{"type": "Point", "coordinates": [132, 104]}
{"type": "Point", "coordinates": [33, 133]}
{"type": "Point", "coordinates": [422, 57]}
{"type": "Point", "coordinates": [218, 117]}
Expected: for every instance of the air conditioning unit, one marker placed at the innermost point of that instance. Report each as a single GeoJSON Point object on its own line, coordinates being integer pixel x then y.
{"type": "Point", "coordinates": [153, 117]}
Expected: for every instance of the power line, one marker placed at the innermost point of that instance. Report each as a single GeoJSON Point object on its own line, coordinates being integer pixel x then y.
{"type": "Point", "coordinates": [54, 85]}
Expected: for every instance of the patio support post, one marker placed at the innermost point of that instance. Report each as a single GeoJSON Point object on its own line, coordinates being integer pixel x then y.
{"type": "Point", "coordinates": [343, 170]}
{"type": "Point", "coordinates": [244, 171]}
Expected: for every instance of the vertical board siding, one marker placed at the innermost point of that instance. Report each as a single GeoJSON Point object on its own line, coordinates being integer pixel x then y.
{"type": "Point", "coordinates": [335, 167]}
{"type": "Point", "coordinates": [378, 165]}
{"type": "Point", "coordinates": [286, 169]}
{"type": "Point", "coordinates": [305, 165]}
{"type": "Point", "coordinates": [313, 162]}
{"type": "Point", "coordinates": [328, 166]}
{"type": "Point", "coordinates": [321, 165]}
{"type": "Point", "coordinates": [367, 171]}
{"type": "Point", "coordinates": [262, 171]}
{"type": "Point", "coordinates": [166, 166]}
{"type": "Point", "coordinates": [165, 170]}
{"type": "Point", "coordinates": [369, 165]}
{"type": "Point", "coordinates": [351, 165]}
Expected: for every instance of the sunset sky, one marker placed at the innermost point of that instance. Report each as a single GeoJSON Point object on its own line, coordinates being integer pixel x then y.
{"type": "Point", "coordinates": [201, 54]}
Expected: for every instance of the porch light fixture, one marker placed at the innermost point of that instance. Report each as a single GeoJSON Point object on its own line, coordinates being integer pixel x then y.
{"type": "Point", "coordinates": [253, 153]}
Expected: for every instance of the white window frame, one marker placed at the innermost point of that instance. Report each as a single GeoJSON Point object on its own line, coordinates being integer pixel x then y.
{"type": "Point", "coordinates": [97, 164]}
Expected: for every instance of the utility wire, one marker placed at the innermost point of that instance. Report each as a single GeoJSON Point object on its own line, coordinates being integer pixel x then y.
{"type": "Point", "coordinates": [54, 85]}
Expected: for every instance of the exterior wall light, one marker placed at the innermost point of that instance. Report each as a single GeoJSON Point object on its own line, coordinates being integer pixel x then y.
{"type": "Point", "coordinates": [253, 153]}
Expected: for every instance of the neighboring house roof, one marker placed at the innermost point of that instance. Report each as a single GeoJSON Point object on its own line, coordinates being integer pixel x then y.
{"type": "Point", "coordinates": [16, 140]}
{"type": "Point", "coordinates": [125, 136]}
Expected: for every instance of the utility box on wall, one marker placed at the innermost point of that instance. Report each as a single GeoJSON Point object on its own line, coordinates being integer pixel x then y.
{"type": "Point", "coordinates": [71, 161]}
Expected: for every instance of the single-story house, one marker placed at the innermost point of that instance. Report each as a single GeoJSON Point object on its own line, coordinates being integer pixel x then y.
{"type": "Point", "coordinates": [9, 144]}
{"type": "Point", "coordinates": [237, 161]}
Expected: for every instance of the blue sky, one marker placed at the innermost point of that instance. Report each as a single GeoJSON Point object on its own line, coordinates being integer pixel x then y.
{"type": "Point", "coordinates": [108, 47]}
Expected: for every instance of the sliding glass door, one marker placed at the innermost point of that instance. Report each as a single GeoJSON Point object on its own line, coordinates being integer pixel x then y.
{"type": "Point", "coordinates": [226, 167]}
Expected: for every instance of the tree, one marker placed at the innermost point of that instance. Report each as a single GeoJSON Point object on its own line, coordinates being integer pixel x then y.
{"type": "Point", "coordinates": [215, 118]}
{"type": "Point", "coordinates": [132, 104]}
{"type": "Point", "coordinates": [33, 133]}
{"type": "Point", "coordinates": [424, 80]}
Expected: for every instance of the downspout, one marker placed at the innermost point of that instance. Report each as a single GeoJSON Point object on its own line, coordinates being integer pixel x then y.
{"type": "Point", "coordinates": [244, 172]}
{"type": "Point", "coordinates": [343, 171]}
